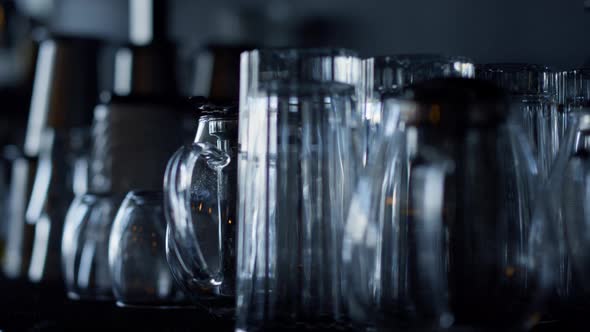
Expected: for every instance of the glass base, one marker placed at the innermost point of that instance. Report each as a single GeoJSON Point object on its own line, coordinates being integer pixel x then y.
{"type": "Point", "coordinates": [165, 306]}
{"type": "Point", "coordinates": [89, 297]}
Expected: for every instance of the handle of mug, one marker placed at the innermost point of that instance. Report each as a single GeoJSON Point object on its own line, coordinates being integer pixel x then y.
{"type": "Point", "coordinates": [179, 207]}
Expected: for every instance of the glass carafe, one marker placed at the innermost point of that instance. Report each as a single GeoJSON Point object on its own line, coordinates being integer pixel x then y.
{"type": "Point", "coordinates": [440, 231]}
{"type": "Point", "coordinates": [297, 163]}
{"type": "Point", "coordinates": [200, 204]}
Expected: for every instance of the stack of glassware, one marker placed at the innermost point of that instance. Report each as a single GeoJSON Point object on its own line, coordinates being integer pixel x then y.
{"type": "Point", "coordinates": [398, 192]}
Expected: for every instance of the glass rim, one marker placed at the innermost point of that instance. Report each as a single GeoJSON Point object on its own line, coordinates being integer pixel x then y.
{"type": "Point", "coordinates": [144, 196]}
{"type": "Point", "coordinates": [418, 58]}
{"type": "Point", "coordinates": [304, 51]}
{"type": "Point", "coordinates": [513, 67]}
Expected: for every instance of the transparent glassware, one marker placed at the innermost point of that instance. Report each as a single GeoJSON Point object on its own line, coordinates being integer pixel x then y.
{"type": "Point", "coordinates": [200, 188]}
{"type": "Point", "coordinates": [297, 163]}
{"type": "Point", "coordinates": [567, 196]}
{"type": "Point", "coordinates": [532, 88]}
{"type": "Point", "coordinates": [84, 251]}
{"type": "Point", "coordinates": [137, 254]}
{"type": "Point", "coordinates": [392, 74]}
{"type": "Point", "coordinates": [440, 232]}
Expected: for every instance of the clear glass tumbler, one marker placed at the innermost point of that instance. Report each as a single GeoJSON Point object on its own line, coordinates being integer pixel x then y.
{"type": "Point", "coordinates": [568, 196]}
{"type": "Point", "coordinates": [300, 150]}
{"type": "Point", "coordinates": [84, 246]}
{"type": "Point", "coordinates": [137, 254]}
{"type": "Point", "coordinates": [440, 231]}
{"type": "Point", "coordinates": [533, 92]}
{"type": "Point", "coordinates": [390, 75]}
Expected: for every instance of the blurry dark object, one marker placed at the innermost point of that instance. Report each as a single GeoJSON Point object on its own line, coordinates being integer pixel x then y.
{"type": "Point", "coordinates": [64, 94]}
{"type": "Point", "coordinates": [217, 72]}
{"type": "Point", "coordinates": [137, 254]}
{"type": "Point", "coordinates": [19, 233]}
{"type": "Point", "coordinates": [200, 206]}
{"type": "Point", "coordinates": [146, 70]}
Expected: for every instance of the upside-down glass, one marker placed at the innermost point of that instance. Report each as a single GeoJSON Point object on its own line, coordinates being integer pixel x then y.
{"type": "Point", "coordinates": [567, 194]}
{"type": "Point", "coordinates": [200, 187]}
{"type": "Point", "coordinates": [439, 231]}
{"type": "Point", "coordinates": [297, 163]}
{"type": "Point", "coordinates": [137, 254]}
{"type": "Point", "coordinates": [392, 74]}
{"type": "Point", "coordinates": [84, 251]}
{"type": "Point", "coordinates": [532, 88]}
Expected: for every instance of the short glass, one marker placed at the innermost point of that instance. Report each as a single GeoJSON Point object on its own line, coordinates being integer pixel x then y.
{"type": "Point", "coordinates": [84, 246]}
{"type": "Point", "coordinates": [137, 255]}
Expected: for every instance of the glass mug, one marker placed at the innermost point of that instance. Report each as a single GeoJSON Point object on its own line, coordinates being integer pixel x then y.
{"type": "Point", "coordinates": [137, 257]}
{"type": "Point", "coordinates": [440, 231]}
{"type": "Point", "coordinates": [200, 206]}
{"type": "Point", "coordinates": [297, 162]}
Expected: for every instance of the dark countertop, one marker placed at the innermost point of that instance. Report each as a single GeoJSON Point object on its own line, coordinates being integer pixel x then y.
{"type": "Point", "coordinates": [26, 307]}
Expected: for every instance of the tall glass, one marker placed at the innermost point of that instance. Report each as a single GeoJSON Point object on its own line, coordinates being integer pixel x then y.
{"type": "Point", "coordinates": [297, 163]}
{"type": "Point", "coordinates": [439, 232]}
{"type": "Point", "coordinates": [532, 88]}
{"type": "Point", "coordinates": [390, 75]}
{"type": "Point", "coordinates": [566, 192]}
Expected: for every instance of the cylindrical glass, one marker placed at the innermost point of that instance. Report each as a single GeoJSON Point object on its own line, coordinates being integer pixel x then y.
{"type": "Point", "coordinates": [297, 162]}
{"type": "Point", "coordinates": [439, 232]}
{"type": "Point", "coordinates": [200, 203]}
{"type": "Point", "coordinates": [84, 251]}
{"type": "Point", "coordinates": [137, 254]}
{"type": "Point", "coordinates": [532, 88]}
{"type": "Point", "coordinates": [568, 196]}
{"type": "Point", "coordinates": [390, 75]}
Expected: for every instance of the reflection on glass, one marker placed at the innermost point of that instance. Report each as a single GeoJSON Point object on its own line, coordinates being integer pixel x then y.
{"type": "Point", "coordinates": [439, 232]}
{"type": "Point", "coordinates": [137, 254]}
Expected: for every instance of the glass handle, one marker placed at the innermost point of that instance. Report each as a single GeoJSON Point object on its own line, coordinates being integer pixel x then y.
{"type": "Point", "coordinates": [193, 205]}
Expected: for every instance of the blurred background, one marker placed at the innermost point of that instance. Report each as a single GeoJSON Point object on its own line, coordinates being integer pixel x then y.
{"type": "Point", "coordinates": [537, 31]}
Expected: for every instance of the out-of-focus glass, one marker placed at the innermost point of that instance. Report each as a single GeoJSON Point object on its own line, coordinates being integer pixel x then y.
{"type": "Point", "coordinates": [532, 88]}
{"type": "Point", "coordinates": [567, 207]}
{"type": "Point", "coordinates": [137, 254]}
{"type": "Point", "coordinates": [439, 232]}
{"type": "Point", "coordinates": [297, 163]}
{"type": "Point", "coordinates": [200, 199]}
{"type": "Point", "coordinates": [392, 74]}
{"type": "Point", "coordinates": [84, 251]}
{"type": "Point", "coordinates": [19, 233]}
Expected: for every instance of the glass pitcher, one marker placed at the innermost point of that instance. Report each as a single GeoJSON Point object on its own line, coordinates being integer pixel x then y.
{"type": "Point", "coordinates": [440, 231]}
{"type": "Point", "coordinates": [200, 207]}
{"type": "Point", "coordinates": [297, 162]}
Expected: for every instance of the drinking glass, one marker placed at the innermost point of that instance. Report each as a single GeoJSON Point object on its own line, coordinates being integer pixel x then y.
{"type": "Point", "coordinates": [392, 74]}
{"type": "Point", "coordinates": [297, 162]}
{"type": "Point", "coordinates": [200, 187]}
{"type": "Point", "coordinates": [532, 88]}
{"type": "Point", "coordinates": [84, 251]}
{"type": "Point", "coordinates": [137, 254]}
{"type": "Point", "coordinates": [567, 197]}
{"type": "Point", "coordinates": [440, 231]}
